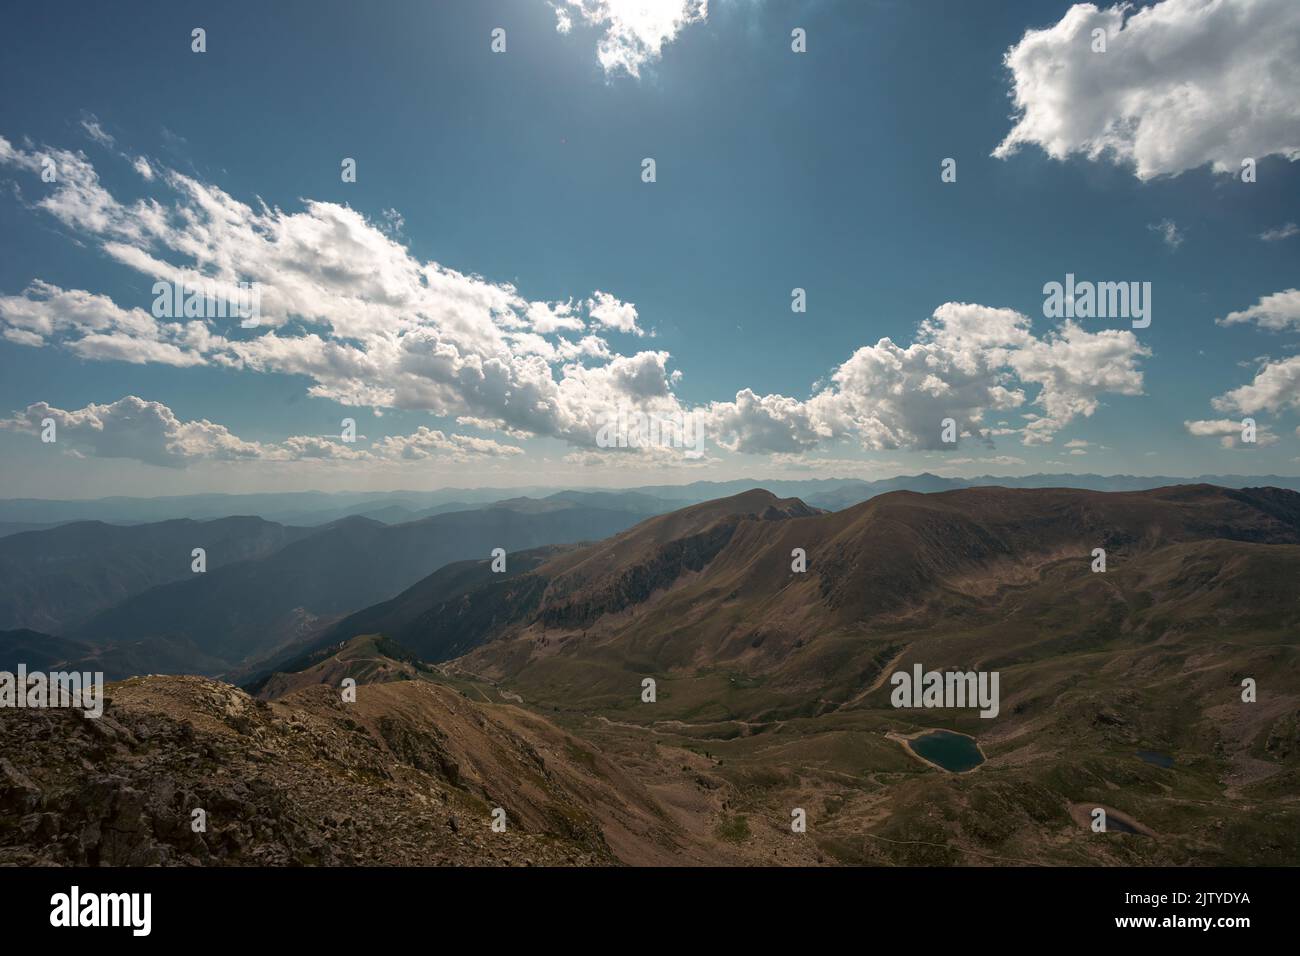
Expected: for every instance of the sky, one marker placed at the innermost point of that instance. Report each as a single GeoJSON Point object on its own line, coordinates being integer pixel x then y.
{"type": "Point", "coordinates": [502, 281]}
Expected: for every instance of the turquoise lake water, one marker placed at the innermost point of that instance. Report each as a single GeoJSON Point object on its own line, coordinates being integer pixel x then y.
{"type": "Point", "coordinates": [954, 752]}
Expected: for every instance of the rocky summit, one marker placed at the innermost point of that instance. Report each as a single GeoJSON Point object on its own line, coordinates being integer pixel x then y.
{"type": "Point", "coordinates": [407, 776]}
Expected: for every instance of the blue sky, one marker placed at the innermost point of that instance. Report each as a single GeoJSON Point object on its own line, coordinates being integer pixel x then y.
{"type": "Point", "coordinates": [774, 170]}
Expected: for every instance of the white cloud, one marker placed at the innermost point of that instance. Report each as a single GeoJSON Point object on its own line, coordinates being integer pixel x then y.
{"type": "Point", "coordinates": [1168, 230]}
{"type": "Point", "coordinates": [1074, 369]}
{"type": "Point", "coordinates": [548, 317]}
{"type": "Point", "coordinates": [347, 307]}
{"type": "Point", "coordinates": [817, 463]}
{"type": "Point", "coordinates": [635, 31]}
{"type": "Point", "coordinates": [315, 447]}
{"type": "Point", "coordinates": [987, 460]}
{"type": "Point", "coordinates": [490, 425]}
{"type": "Point", "coordinates": [1229, 432]}
{"type": "Point", "coordinates": [426, 443]}
{"type": "Point", "coordinates": [79, 201]}
{"type": "Point", "coordinates": [1277, 234]}
{"type": "Point", "coordinates": [394, 223]}
{"type": "Point", "coordinates": [96, 132]}
{"type": "Point", "coordinates": [150, 432]}
{"type": "Point", "coordinates": [95, 327]}
{"type": "Point", "coordinates": [767, 423]}
{"type": "Point", "coordinates": [1276, 386]}
{"type": "Point", "coordinates": [638, 459]}
{"type": "Point", "coordinates": [1182, 83]}
{"type": "Point", "coordinates": [613, 314]}
{"type": "Point", "coordinates": [967, 360]}
{"type": "Point", "coordinates": [385, 329]}
{"type": "Point", "coordinates": [1277, 312]}
{"type": "Point", "coordinates": [134, 428]}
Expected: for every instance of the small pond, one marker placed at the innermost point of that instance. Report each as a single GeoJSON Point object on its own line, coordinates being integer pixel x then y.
{"type": "Point", "coordinates": [956, 753]}
{"type": "Point", "coordinates": [1154, 757]}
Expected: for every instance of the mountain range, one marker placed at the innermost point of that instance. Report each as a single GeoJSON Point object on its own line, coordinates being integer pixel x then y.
{"type": "Point", "coordinates": [128, 597]}
{"type": "Point", "coordinates": [1123, 627]}
{"type": "Point", "coordinates": [312, 508]}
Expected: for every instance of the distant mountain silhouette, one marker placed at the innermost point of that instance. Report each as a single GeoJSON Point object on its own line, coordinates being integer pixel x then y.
{"type": "Point", "coordinates": [56, 578]}
{"type": "Point", "coordinates": [152, 655]}
{"type": "Point", "coordinates": [315, 508]}
{"type": "Point", "coordinates": [251, 608]}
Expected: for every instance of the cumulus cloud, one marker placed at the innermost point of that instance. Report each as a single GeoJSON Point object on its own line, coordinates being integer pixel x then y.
{"type": "Point", "coordinates": [1276, 386]}
{"type": "Point", "coordinates": [635, 31]}
{"type": "Point", "coordinates": [1276, 312]}
{"type": "Point", "coordinates": [315, 447]}
{"type": "Point", "coordinates": [95, 327]}
{"type": "Point", "coordinates": [1229, 432]}
{"type": "Point", "coordinates": [613, 314]}
{"type": "Point", "coordinates": [967, 360]}
{"type": "Point", "coordinates": [1181, 84]}
{"type": "Point", "coordinates": [345, 305]}
{"type": "Point", "coordinates": [426, 443]}
{"type": "Point", "coordinates": [134, 428]}
{"type": "Point", "coordinates": [150, 432]}
{"type": "Point", "coordinates": [548, 317]}
{"type": "Point", "coordinates": [767, 423]}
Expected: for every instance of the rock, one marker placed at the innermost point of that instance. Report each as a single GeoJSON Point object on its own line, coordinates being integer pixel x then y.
{"type": "Point", "coordinates": [18, 795]}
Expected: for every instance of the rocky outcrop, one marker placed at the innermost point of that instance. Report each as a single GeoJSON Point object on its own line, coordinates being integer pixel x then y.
{"type": "Point", "coordinates": [189, 771]}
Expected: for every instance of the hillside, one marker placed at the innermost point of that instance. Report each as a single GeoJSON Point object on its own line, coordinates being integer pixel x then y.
{"type": "Point", "coordinates": [368, 659]}
{"type": "Point", "coordinates": [781, 678]}
{"type": "Point", "coordinates": [455, 609]}
{"type": "Point", "coordinates": [685, 592]}
{"type": "Point", "coordinates": [407, 775]}
{"type": "Point", "coordinates": [56, 578]}
{"type": "Point", "coordinates": [1120, 689]}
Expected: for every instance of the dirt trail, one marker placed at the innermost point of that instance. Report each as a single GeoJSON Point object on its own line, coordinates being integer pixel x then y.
{"type": "Point", "coordinates": [878, 682]}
